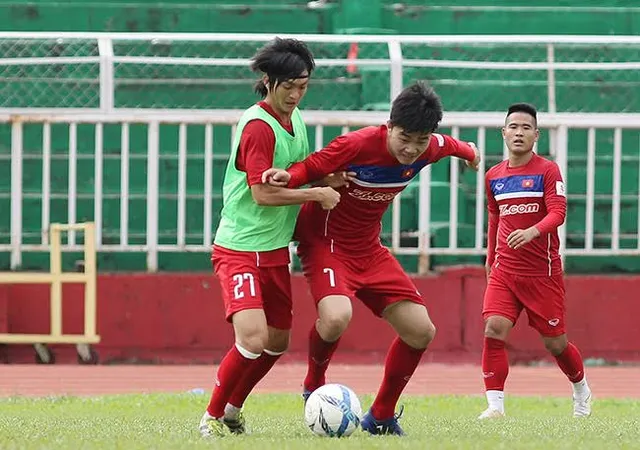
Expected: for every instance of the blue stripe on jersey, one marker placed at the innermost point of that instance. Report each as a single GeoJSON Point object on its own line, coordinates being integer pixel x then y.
{"type": "Point", "coordinates": [517, 183]}
{"type": "Point", "coordinates": [398, 173]}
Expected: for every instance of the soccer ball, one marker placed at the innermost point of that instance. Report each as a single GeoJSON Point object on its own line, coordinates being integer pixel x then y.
{"type": "Point", "coordinates": [333, 410]}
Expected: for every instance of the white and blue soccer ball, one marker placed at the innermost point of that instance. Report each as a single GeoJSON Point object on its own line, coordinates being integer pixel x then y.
{"type": "Point", "coordinates": [333, 410]}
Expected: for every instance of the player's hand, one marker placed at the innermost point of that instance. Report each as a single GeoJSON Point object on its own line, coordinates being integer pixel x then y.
{"type": "Point", "coordinates": [518, 238]}
{"type": "Point", "coordinates": [475, 164]}
{"type": "Point", "coordinates": [327, 197]}
{"type": "Point", "coordinates": [276, 177]}
{"type": "Point", "coordinates": [339, 179]}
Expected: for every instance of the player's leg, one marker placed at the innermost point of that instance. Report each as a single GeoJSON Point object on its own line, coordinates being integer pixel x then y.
{"type": "Point", "coordinates": [276, 291]}
{"type": "Point", "coordinates": [544, 299]}
{"type": "Point", "coordinates": [500, 312]}
{"type": "Point", "coordinates": [391, 294]}
{"type": "Point", "coordinates": [415, 331]}
{"type": "Point", "coordinates": [241, 291]}
{"type": "Point", "coordinates": [328, 281]}
{"type": "Point", "coordinates": [570, 362]}
{"type": "Point", "coordinates": [334, 315]}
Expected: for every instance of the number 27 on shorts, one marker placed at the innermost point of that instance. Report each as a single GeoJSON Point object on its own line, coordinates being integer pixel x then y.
{"type": "Point", "coordinates": [240, 287]}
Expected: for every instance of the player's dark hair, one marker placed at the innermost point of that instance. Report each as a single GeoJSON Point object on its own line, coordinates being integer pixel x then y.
{"type": "Point", "coordinates": [526, 108]}
{"type": "Point", "coordinates": [281, 60]}
{"type": "Point", "coordinates": [417, 109]}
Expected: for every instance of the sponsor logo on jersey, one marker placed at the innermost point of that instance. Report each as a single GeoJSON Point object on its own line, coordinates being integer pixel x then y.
{"type": "Point", "coordinates": [369, 196]}
{"type": "Point", "coordinates": [523, 208]}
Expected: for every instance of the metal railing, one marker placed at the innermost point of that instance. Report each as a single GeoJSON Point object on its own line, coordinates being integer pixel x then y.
{"type": "Point", "coordinates": [619, 160]}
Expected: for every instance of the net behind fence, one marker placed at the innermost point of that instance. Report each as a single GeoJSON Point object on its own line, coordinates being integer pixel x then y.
{"type": "Point", "coordinates": [354, 72]}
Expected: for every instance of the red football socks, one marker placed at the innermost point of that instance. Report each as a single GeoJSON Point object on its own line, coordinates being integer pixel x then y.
{"type": "Point", "coordinates": [401, 362]}
{"type": "Point", "coordinates": [252, 377]}
{"type": "Point", "coordinates": [495, 364]}
{"type": "Point", "coordinates": [233, 366]}
{"type": "Point", "coordinates": [570, 362]}
{"type": "Point", "coordinates": [320, 353]}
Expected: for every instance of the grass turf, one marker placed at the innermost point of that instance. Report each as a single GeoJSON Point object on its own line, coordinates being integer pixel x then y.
{"type": "Point", "coordinates": [163, 421]}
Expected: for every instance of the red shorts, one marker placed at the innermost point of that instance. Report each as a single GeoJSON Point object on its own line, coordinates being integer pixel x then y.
{"type": "Point", "coordinates": [377, 280]}
{"type": "Point", "coordinates": [248, 285]}
{"type": "Point", "coordinates": [542, 297]}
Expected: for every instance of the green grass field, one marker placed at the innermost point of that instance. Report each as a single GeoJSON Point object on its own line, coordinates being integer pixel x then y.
{"type": "Point", "coordinates": [163, 421]}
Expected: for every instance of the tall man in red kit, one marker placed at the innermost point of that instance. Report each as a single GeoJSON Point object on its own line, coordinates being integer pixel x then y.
{"type": "Point", "coordinates": [251, 248]}
{"type": "Point", "coordinates": [341, 252]}
{"type": "Point", "coordinates": [527, 203]}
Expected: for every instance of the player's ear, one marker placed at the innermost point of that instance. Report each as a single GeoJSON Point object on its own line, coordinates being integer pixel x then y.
{"type": "Point", "coordinates": [537, 134]}
{"type": "Point", "coordinates": [503, 136]}
{"type": "Point", "coordinates": [265, 81]}
{"type": "Point", "coordinates": [389, 125]}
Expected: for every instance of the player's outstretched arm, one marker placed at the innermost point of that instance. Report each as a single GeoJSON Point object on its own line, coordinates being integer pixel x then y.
{"type": "Point", "coordinates": [331, 160]}
{"type": "Point", "coordinates": [338, 179]}
{"type": "Point", "coordinates": [450, 146]}
{"type": "Point", "coordinates": [474, 164]}
{"type": "Point", "coordinates": [281, 178]}
{"type": "Point", "coordinates": [267, 195]}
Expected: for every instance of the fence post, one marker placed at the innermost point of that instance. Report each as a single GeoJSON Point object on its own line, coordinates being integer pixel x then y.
{"type": "Point", "coordinates": [16, 194]}
{"type": "Point", "coordinates": [153, 150]}
{"type": "Point", "coordinates": [107, 86]}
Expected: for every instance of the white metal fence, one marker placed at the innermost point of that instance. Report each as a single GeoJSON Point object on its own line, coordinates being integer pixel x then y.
{"type": "Point", "coordinates": [621, 168]}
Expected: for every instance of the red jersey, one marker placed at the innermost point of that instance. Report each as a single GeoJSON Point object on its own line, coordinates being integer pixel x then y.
{"type": "Point", "coordinates": [353, 227]}
{"type": "Point", "coordinates": [521, 197]}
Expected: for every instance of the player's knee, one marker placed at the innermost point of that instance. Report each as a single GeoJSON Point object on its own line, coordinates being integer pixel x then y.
{"type": "Point", "coordinates": [334, 315]}
{"type": "Point", "coordinates": [253, 339]}
{"type": "Point", "coordinates": [496, 329]}
{"type": "Point", "coordinates": [430, 332]}
{"type": "Point", "coordinates": [427, 334]}
{"type": "Point", "coordinates": [556, 345]}
{"type": "Point", "coordinates": [278, 342]}
{"type": "Point", "coordinates": [335, 322]}
{"type": "Point", "coordinates": [420, 336]}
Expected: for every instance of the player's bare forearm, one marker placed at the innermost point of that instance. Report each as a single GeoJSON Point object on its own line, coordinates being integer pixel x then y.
{"type": "Point", "coordinates": [266, 195]}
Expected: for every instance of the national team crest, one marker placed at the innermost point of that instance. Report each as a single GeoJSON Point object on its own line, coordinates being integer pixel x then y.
{"type": "Point", "coordinates": [527, 183]}
{"type": "Point", "coordinates": [407, 173]}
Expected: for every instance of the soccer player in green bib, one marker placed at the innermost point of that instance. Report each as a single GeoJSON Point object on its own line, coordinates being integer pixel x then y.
{"type": "Point", "coordinates": [250, 253]}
